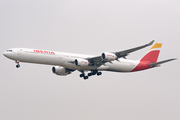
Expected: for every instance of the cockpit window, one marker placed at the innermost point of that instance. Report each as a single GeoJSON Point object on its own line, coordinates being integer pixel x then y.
{"type": "Point", "coordinates": [9, 50]}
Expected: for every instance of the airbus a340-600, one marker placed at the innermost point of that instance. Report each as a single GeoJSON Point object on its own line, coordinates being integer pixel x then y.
{"type": "Point", "coordinates": [66, 63]}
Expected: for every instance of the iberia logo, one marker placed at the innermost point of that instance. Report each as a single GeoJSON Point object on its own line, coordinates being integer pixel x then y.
{"type": "Point", "coordinates": [43, 51]}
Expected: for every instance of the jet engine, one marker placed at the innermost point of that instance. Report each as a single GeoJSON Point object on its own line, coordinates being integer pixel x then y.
{"type": "Point", "coordinates": [81, 62]}
{"type": "Point", "coordinates": [108, 56]}
{"type": "Point", "coordinates": [60, 70]}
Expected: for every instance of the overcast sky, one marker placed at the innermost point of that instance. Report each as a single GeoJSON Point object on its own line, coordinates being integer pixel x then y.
{"type": "Point", "coordinates": [33, 92]}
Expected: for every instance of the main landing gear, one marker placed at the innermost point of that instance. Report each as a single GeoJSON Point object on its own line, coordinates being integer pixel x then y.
{"type": "Point", "coordinates": [18, 65]}
{"type": "Point", "coordinates": [83, 75]}
{"type": "Point", "coordinates": [93, 72]}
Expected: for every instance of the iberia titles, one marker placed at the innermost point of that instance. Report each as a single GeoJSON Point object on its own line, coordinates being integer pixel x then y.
{"type": "Point", "coordinates": [44, 51]}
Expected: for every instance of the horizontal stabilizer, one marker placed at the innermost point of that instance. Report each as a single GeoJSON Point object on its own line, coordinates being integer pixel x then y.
{"type": "Point", "coordinates": [158, 63]}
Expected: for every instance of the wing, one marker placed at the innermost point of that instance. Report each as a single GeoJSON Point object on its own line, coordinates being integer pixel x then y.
{"type": "Point", "coordinates": [97, 61]}
{"type": "Point", "coordinates": [126, 52]}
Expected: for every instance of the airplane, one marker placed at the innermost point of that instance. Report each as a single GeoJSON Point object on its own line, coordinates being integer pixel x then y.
{"type": "Point", "coordinates": [66, 63]}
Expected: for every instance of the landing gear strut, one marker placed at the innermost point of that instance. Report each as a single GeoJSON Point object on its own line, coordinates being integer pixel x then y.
{"type": "Point", "coordinates": [18, 65]}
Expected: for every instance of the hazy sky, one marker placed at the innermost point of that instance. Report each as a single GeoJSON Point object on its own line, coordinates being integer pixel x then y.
{"type": "Point", "coordinates": [33, 92]}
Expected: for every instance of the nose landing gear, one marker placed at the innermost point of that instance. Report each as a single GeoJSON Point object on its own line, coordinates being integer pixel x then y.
{"type": "Point", "coordinates": [18, 65]}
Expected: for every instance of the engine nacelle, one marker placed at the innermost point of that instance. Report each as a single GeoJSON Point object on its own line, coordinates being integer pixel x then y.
{"type": "Point", "coordinates": [60, 70]}
{"type": "Point", "coordinates": [81, 62]}
{"type": "Point", "coordinates": [108, 56]}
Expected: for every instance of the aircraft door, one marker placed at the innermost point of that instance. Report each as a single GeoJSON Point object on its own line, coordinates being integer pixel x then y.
{"type": "Point", "coordinates": [19, 51]}
{"type": "Point", "coordinates": [59, 55]}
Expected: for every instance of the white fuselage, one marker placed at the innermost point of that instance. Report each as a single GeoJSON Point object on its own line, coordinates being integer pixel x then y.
{"type": "Point", "coordinates": [66, 60]}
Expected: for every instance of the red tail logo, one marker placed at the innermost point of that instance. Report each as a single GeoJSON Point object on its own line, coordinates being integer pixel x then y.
{"type": "Point", "coordinates": [150, 57]}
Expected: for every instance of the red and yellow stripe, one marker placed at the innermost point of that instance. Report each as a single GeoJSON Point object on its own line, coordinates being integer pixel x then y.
{"type": "Point", "coordinates": [157, 45]}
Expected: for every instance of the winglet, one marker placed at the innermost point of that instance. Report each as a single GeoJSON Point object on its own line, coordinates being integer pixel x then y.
{"type": "Point", "coordinates": [150, 43]}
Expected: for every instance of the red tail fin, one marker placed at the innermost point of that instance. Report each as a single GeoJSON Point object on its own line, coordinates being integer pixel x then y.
{"type": "Point", "coordinates": [153, 54]}
{"type": "Point", "coordinates": [150, 57]}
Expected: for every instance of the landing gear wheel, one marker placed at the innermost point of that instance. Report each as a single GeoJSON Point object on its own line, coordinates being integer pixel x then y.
{"type": "Point", "coordinates": [85, 77]}
{"type": "Point", "coordinates": [99, 73]}
{"type": "Point", "coordinates": [81, 75]}
{"type": "Point", "coordinates": [17, 66]}
{"type": "Point", "coordinates": [90, 74]}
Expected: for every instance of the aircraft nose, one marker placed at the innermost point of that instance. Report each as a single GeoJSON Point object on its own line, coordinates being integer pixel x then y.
{"type": "Point", "coordinates": [8, 54]}
{"type": "Point", "coordinates": [4, 53]}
